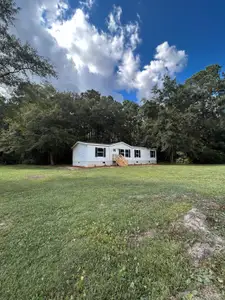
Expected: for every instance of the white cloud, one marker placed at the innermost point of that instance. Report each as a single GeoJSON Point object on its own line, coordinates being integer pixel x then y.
{"type": "Point", "coordinates": [88, 3]}
{"type": "Point", "coordinates": [86, 57]}
{"type": "Point", "coordinates": [168, 60]}
{"type": "Point", "coordinates": [114, 19]}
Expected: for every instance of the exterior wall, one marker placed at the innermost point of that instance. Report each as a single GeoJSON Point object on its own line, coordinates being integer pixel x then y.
{"type": "Point", "coordinates": [84, 155]}
{"type": "Point", "coordinates": [145, 156]}
{"type": "Point", "coordinates": [123, 146]}
{"type": "Point", "coordinates": [93, 161]}
{"type": "Point", "coordinates": [80, 155]}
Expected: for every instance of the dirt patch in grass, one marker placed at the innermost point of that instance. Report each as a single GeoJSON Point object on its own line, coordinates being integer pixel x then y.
{"type": "Point", "coordinates": [209, 293]}
{"type": "Point", "coordinates": [147, 234]}
{"type": "Point", "coordinates": [200, 251]}
{"type": "Point", "coordinates": [209, 242]}
{"type": "Point", "coordinates": [5, 225]}
{"type": "Point", "coordinates": [2, 225]}
{"type": "Point", "coordinates": [139, 197]}
{"type": "Point", "coordinates": [206, 293]}
{"type": "Point", "coordinates": [136, 239]}
{"type": "Point", "coordinates": [195, 220]}
{"type": "Point", "coordinates": [70, 168]}
{"type": "Point", "coordinates": [36, 177]}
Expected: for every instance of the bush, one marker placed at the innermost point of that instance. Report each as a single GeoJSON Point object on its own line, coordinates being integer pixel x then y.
{"type": "Point", "coordinates": [211, 156]}
{"type": "Point", "coordinates": [183, 159]}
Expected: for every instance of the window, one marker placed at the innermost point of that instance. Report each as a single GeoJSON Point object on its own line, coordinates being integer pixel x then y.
{"type": "Point", "coordinates": [100, 152]}
{"type": "Point", "coordinates": [127, 153]}
{"type": "Point", "coordinates": [121, 152]}
{"type": "Point", "coordinates": [137, 153]}
{"type": "Point", "coordinates": [114, 150]}
{"type": "Point", "coordinates": [152, 154]}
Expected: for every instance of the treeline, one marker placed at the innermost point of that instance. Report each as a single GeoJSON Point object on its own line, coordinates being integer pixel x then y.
{"type": "Point", "coordinates": [185, 122]}
{"type": "Point", "coordinates": [39, 124]}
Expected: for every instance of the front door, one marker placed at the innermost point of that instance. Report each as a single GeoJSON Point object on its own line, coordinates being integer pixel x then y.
{"type": "Point", "coordinates": [121, 152]}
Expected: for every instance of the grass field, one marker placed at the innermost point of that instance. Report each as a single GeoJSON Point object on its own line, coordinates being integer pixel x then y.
{"type": "Point", "coordinates": [106, 233]}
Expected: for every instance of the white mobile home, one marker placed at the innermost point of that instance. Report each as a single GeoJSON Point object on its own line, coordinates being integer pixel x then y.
{"type": "Point", "coordinates": [93, 155]}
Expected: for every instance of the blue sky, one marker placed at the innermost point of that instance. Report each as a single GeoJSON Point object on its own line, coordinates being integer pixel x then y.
{"type": "Point", "coordinates": [89, 51]}
{"type": "Point", "coordinates": [197, 26]}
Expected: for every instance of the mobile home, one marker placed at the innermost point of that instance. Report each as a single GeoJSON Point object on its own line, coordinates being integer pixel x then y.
{"type": "Point", "coordinates": [93, 154]}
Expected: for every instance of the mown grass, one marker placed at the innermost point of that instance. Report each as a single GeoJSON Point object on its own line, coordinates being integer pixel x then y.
{"type": "Point", "coordinates": [69, 234]}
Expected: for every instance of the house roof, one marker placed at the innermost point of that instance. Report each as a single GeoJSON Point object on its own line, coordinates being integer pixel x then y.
{"type": "Point", "coordinates": [121, 143]}
{"type": "Point", "coordinates": [108, 145]}
{"type": "Point", "coordinates": [87, 143]}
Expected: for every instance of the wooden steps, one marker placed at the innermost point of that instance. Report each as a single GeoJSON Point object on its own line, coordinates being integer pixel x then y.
{"type": "Point", "coordinates": [121, 161]}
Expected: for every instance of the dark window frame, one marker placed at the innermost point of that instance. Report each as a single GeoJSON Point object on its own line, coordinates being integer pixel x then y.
{"type": "Point", "coordinates": [100, 152]}
{"type": "Point", "coordinates": [137, 153]}
{"type": "Point", "coordinates": [122, 152]}
{"type": "Point", "coordinates": [154, 155]}
{"type": "Point", "coordinates": [127, 153]}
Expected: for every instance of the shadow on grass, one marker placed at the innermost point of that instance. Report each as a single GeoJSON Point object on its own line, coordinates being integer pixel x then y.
{"type": "Point", "coordinates": [30, 183]}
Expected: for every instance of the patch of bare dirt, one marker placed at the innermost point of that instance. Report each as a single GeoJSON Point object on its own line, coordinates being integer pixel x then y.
{"type": "Point", "coordinates": [72, 168]}
{"type": "Point", "coordinates": [69, 168]}
{"type": "Point", "coordinates": [135, 240]}
{"type": "Point", "coordinates": [5, 225]}
{"type": "Point", "coordinates": [139, 197]}
{"type": "Point", "coordinates": [200, 251]}
{"type": "Point", "coordinates": [147, 234]}
{"type": "Point", "coordinates": [205, 245]}
{"type": "Point", "coordinates": [36, 177]}
{"type": "Point", "coordinates": [210, 243]}
{"type": "Point", "coordinates": [195, 220]}
{"type": "Point", "coordinates": [207, 293]}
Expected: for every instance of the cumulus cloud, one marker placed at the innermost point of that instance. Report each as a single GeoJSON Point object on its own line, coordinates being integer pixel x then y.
{"type": "Point", "coordinates": [88, 4]}
{"type": "Point", "coordinates": [168, 61]}
{"type": "Point", "coordinates": [114, 19]}
{"type": "Point", "coordinates": [87, 57]}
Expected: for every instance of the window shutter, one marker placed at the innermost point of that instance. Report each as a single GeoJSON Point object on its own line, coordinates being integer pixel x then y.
{"type": "Point", "coordinates": [96, 152]}
{"type": "Point", "coordinates": [104, 153]}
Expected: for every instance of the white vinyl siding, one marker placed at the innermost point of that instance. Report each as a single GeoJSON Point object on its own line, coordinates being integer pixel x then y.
{"type": "Point", "coordinates": [91, 155]}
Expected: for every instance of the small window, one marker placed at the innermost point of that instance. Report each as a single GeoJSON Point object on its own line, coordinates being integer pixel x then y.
{"type": "Point", "coordinates": [127, 153]}
{"type": "Point", "coordinates": [121, 152]}
{"type": "Point", "coordinates": [152, 154]}
{"type": "Point", "coordinates": [100, 152]}
{"type": "Point", "coordinates": [114, 150]}
{"type": "Point", "coordinates": [137, 153]}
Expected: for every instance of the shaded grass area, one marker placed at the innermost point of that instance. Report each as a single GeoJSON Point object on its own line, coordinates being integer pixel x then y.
{"type": "Point", "coordinates": [66, 234]}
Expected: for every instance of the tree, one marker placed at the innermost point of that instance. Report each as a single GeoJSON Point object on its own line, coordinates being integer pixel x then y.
{"type": "Point", "coordinates": [132, 122]}
{"type": "Point", "coordinates": [39, 126]}
{"type": "Point", "coordinates": [209, 79]}
{"type": "Point", "coordinates": [18, 61]}
{"type": "Point", "coordinates": [186, 118]}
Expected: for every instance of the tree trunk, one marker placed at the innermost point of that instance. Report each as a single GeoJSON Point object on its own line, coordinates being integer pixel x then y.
{"type": "Point", "coordinates": [171, 157]}
{"type": "Point", "coordinates": [51, 159]}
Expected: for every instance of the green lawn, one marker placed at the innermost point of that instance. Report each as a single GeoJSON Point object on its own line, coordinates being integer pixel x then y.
{"type": "Point", "coordinates": [81, 234]}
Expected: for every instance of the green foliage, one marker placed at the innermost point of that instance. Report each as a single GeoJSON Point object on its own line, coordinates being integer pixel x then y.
{"type": "Point", "coordinates": [182, 158]}
{"type": "Point", "coordinates": [42, 121]}
{"type": "Point", "coordinates": [39, 124]}
{"type": "Point", "coordinates": [8, 9]}
{"type": "Point", "coordinates": [188, 118]}
{"type": "Point", "coordinates": [18, 61]}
